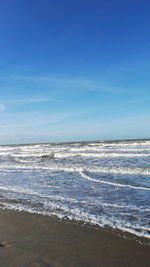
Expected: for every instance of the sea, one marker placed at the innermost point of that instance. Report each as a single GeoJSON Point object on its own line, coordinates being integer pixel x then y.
{"type": "Point", "coordinates": [102, 183]}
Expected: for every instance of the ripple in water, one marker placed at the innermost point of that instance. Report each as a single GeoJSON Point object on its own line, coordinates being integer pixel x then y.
{"type": "Point", "coordinates": [101, 183]}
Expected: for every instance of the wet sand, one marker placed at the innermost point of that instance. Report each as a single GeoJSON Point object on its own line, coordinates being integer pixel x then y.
{"type": "Point", "coordinates": [36, 240]}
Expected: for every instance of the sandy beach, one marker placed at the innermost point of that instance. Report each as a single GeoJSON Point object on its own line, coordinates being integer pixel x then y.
{"type": "Point", "coordinates": [74, 133]}
{"type": "Point", "coordinates": [35, 240]}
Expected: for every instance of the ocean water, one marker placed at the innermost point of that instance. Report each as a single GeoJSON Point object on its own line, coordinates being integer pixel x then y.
{"type": "Point", "coordinates": [101, 183]}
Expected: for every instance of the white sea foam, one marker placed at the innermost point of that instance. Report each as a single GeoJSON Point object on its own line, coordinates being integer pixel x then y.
{"type": "Point", "coordinates": [124, 143]}
{"type": "Point", "coordinates": [76, 214]}
{"type": "Point", "coordinates": [111, 183]}
{"type": "Point", "coordinates": [52, 179]}
{"type": "Point", "coordinates": [78, 168]}
{"type": "Point", "coordinates": [130, 207]}
{"type": "Point", "coordinates": [17, 189]}
{"type": "Point", "coordinates": [100, 155]}
{"type": "Point", "coordinates": [20, 159]}
{"type": "Point", "coordinates": [107, 150]}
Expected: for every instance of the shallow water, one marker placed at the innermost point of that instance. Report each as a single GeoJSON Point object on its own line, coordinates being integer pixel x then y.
{"type": "Point", "coordinates": [102, 183]}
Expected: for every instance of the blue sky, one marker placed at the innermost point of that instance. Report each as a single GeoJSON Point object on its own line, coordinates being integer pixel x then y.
{"type": "Point", "coordinates": [74, 70]}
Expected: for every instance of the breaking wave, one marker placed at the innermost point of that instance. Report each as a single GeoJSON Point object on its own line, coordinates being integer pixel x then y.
{"type": "Point", "coordinates": [32, 158]}
{"type": "Point", "coordinates": [78, 168]}
{"type": "Point", "coordinates": [101, 183]}
{"type": "Point", "coordinates": [111, 183]}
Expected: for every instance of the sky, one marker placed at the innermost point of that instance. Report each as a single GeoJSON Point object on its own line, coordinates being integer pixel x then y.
{"type": "Point", "coordinates": [74, 70]}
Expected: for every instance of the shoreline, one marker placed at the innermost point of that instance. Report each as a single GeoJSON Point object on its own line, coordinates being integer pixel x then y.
{"type": "Point", "coordinates": [83, 142]}
{"type": "Point", "coordinates": [36, 240]}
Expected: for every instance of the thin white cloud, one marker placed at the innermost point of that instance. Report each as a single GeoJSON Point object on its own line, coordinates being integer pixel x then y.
{"type": "Point", "coordinates": [31, 100]}
{"type": "Point", "coordinates": [2, 107]}
{"type": "Point", "coordinates": [67, 82]}
{"type": "Point", "coordinates": [25, 100]}
{"type": "Point", "coordinates": [24, 120]}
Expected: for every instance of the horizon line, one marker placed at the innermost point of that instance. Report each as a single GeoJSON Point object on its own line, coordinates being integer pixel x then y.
{"type": "Point", "coordinates": [81, 141]}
